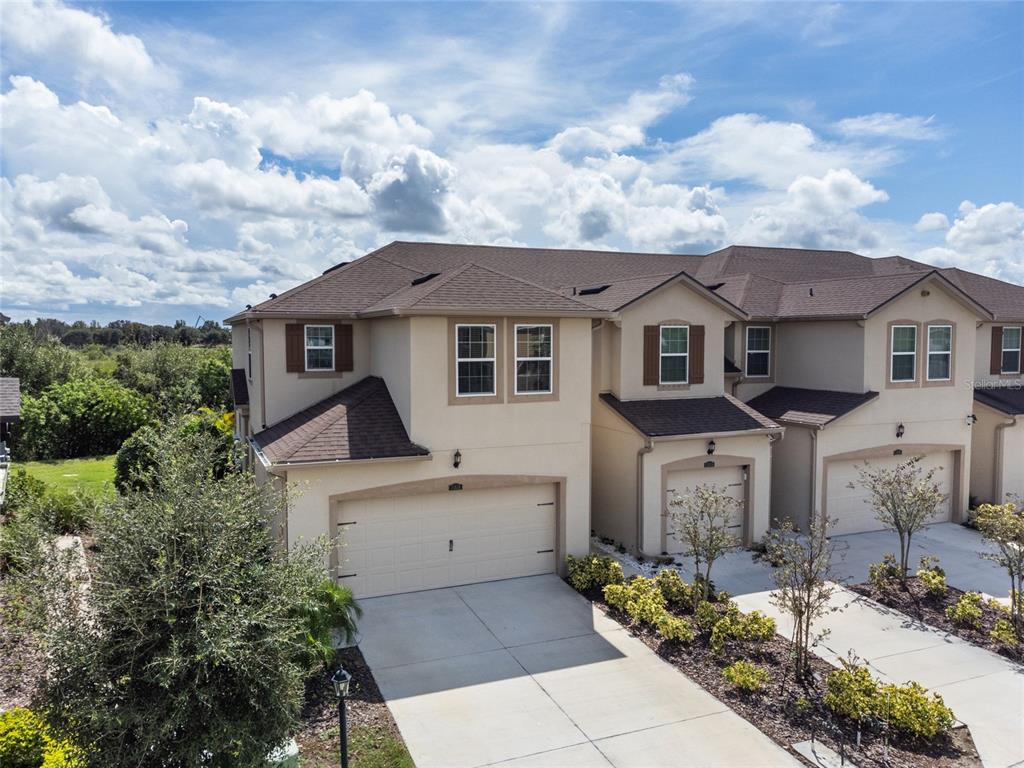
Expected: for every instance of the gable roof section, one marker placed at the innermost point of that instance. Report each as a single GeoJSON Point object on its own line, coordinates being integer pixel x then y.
{"type": "Point", "coordinates": [1004, 300]}
{"type": "Point", "coordinates": [10, 397]}
{"type": "Point", "coordinates": [678, 417]}
{"type": "Point", "coordinates": [358, 423]}
{"type": "Point", "coordinates": [1008, 400]}
{"type": "Point", "coordinates": [810, 407]}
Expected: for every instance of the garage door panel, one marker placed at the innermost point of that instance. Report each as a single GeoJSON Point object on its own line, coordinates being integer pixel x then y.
{"type": "Point", "coordinates": [684, 481]}
{"type": "Point", "coordinates": [850, 507]}
{"type": "Point", "coordinates": [444, 539]}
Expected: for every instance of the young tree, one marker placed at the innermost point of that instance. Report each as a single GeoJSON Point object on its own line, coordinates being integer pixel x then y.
{"type": "Point", "coordinates": [189, 647]}
{"type": "Point", "coordinates": [802, 589]}
{"type": "Point", "coordinates": [701, 518]}
{"type": "Point", "coordinates": [904, 498]}
{"type": "Point", "coordinates": [1003, 524]}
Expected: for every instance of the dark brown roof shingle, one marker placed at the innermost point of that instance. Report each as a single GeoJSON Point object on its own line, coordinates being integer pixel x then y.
{"type": "Point", "coordinates": [815, 407]}
{"type": "Point", "coordinates": [671, 417]}
{"type": "Point", "coordinates": [360, 422]}
{"type": "Point", "coordinates": [1008, 400]}
{"type": "Point", "coordinates": [10, 397]}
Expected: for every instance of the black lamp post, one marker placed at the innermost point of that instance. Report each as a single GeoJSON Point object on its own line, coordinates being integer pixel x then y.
{"type": "Point", "coordinates": [341, 680]}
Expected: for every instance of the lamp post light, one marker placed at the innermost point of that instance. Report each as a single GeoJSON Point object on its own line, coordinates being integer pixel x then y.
{"type": "Point", "coordinates": [341, 680]}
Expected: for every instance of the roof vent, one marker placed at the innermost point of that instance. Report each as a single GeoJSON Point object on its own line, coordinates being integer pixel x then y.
{"type": "Point", "coordinates": [424, 278]}
{"type": "Point", "coordinates": [248, 306]}
{"type": "Point", "coordinates": [273, 295]}
{"type": "Point", "coordinates": [810, 291]}
{"type": "Point", "coordinates": [714, 286]}
{"type": "Point", "coordinates": [592, 291]}
{"type": "Point", "coordinates": [336, 266]}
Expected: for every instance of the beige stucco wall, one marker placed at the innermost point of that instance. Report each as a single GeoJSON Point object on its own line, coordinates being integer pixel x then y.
{"type": "Point", "coordinates": [541, 438]}
{"type": "Point", "coordinates": [820, 355]}
{"type": "Point", "coordinates": [792, 458]}
{"type": "Point", "coordinates": [997, 456]}
{"type": "Point", "coordinates": [613, 476]}
{"type": "Point", "coordinates": [675, 302]}
{"type": "Point", "coordinates": [655, 502]}
{"type": "Point", "coordinates": [983, 360]}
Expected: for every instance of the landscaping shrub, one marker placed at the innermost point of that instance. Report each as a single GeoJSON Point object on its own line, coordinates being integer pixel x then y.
{"type": "Point", "coordinates": [966, 612]}
{"type": "Point", "coordinates": [911, 710]}
{"type": "Point", "coordinates": [640, 598]}
{"type": "Point", "coordinates": [676, 592]}
{"type": "Point", "coordinates": [133, 465]}
{"type": "Point", "coordinates": [26, 741]}
{"type": "Point", "coordinates": [1004, 634]}
{"type": "Point", "coordinates": [674, 629]}
{"type": "Point", "coordinates": [593, 571]}
{"type": "Point", "coordinates": [882, 575]}
{"type": "Point", "coordinates": [705, 616]}
{"type": "Point", "coordinates": [328, 610]}
{"type": "Point", "coordinates": [617, 595]}
{"type": "Point", "coordinates": [22, 489]}
{"type": "Point", "coordinates": [851, 692]}
{"type": "Point", "coordinates": [744, 627]}
{"type": "Point", "coordinates": [745, 676]}
{"type": "Point", "coordinates": [934, 582]}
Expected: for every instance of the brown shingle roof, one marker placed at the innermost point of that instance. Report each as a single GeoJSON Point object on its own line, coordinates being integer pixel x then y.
{"type": "Point", "coordinates": [10, 397]}
{"type": "Point", "coordinates": [1008, 400]}
{"type": "Point", "coordinates": [815, 407]}
{"type": "Point", "coordinates": [687, 416]}
{"type": "Point", "coordinates": [360, 422]}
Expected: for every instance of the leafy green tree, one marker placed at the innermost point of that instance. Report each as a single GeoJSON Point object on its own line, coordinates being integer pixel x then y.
{"type": "Point", "coordinates": [1003, 525]}
{"type": "Point", "coordinates": [38, 362]}
{"type": "Point", "coordinates": [701, 518]}
{"type": "Point", "coordinates": [189, 647]}
{"type": "Point", "coordinates": [81, 417]}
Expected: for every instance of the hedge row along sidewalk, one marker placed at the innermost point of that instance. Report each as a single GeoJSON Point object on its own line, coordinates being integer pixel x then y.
{"type": "Point", "coordinates": [739, 658]}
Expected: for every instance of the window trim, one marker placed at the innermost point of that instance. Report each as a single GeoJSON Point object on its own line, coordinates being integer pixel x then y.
{"type": "Point", "coordinates": [493, 360]}
{"type": "Point", "coordinates": [662, 355]}
{"type": "Point", "coordinates": [913, 355]}
{"type": "Point", "coordinates": [1019, 349]}
{"type": "Point", "coordinates": [748, 352]}
{"type": "Point", "coordinates": [306, 348]}
{"type": "Point", "coordinates": [928, 352]}
{"type": "Point", "coordinates": [516, 359]}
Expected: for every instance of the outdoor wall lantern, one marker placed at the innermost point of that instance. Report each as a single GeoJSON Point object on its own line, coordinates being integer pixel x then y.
{"type": "Point", "coordinates": [711, 447]}
{"type": "Point", "coordinates": [341, 681]}
{"type": "Point", "coordinates": [900, 430]}
{"type": "Point", "coordinates": [971, 419]}
{"type": "Point", "coordinates": [457, 458]}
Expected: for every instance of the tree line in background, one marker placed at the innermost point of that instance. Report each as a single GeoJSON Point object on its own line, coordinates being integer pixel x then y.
{"type": "Point", "coordinates": [87, 401]}
{"type": "Point", "coordinates": [81, 334]}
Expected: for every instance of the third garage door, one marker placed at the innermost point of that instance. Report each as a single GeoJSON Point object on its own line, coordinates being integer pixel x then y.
{"type": "Point", "coordinates": [849, 507]}
{"type": "Point", "coordinates": [409, 543]}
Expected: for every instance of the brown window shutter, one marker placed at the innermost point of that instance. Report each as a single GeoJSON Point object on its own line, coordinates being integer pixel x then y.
{"type": "Point", "coordinates": [294, 348]}
{"type": "Point", "coordinates": [996, 361]}
{"type": "Point", "coordinates": [652, 355]}
{"type": "Point", "coordinates": [696, 354]}
{"type": "Point", "coordinates": [343, 347]}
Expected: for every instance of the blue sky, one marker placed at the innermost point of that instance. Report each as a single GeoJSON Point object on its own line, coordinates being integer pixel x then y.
{"type": "Point", "coordinates": [164, 160]}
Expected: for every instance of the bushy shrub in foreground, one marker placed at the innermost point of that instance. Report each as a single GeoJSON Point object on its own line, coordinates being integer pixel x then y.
{"type": "Point", "coordinates": [966, 612]}
{"type": "Point", "coordinates": [593, 571]}
{"type": "Point", "coordinates": [745, 676]}
{"type": "Point", "coordinates": [26, 741]}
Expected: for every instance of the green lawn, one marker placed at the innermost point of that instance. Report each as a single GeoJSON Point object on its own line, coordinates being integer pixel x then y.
{"type": "Point", "coordinates": [92, 474]}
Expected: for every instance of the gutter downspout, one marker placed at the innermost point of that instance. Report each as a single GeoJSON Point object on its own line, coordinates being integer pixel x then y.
{"type": "Point", "coordinates": [648, 446]}
{"type": "Point", "coordinates": [263, 377]}
{"type": "Point", "coordinates": [814, 476]}
{"type": "Point", "coordinates": [997, 470]}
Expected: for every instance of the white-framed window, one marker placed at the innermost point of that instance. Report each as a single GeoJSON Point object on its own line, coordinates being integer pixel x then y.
{"type": "Point", "coordinates": [903, 363]}
{"type": "Point", "coordinates": [1011, 349]}
{"type": "Point", "coordinates": [534, 354]}
{"type": "Point", "coordinates": [940, 352]}
{"type": "Point", "coordinates": [319, 347]}
{"type": "Point", "coordinates": [674, 367]}
{"type": "Point", "coordinates": [475, 360]}
{"type": "Point", "coordinates": [759, 351]}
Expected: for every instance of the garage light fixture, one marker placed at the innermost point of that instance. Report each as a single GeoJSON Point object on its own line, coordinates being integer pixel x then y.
{"type": "Point", "coordinates": [457, 458]}
{"type": "Point", "coordinates": [711, 447]}
{"type": "Point", "coordinates": [900, 430]}
{"type": "Point", "coordinates": [971, 420]}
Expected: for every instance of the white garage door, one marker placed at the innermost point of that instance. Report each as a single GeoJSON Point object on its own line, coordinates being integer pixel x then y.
{"type": "Point", "coordinates": [730, 478]}
{"type": "Point", "coordinates": [434, 540]}
{"type": "Point", "coordinates": [849, 507]}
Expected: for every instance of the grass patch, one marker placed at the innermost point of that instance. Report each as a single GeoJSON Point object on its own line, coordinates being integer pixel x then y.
{"type": "Point", "coordinates": [370, 747]}
{"type": "Point", "coordinates": [92, 474]}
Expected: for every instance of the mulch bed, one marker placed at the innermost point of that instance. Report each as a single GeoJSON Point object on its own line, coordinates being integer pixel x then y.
{"type": "Point", "coordinates": [775, 711]}
{"type": "Point", "coordinates": [318, 739]}
{"type": "Point", "coordinates": [914, 601]}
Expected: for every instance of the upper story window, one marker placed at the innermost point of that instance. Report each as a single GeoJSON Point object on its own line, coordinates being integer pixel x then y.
{"type": "Point", "coordinates": [1011, 350]}
{"type": "Point", "coordinates": [903, 365]}
{"type": "Point", "coordinates": [475, 360]}
{"type": "Point", "coordinates": [675, 354]}
{"type": "Point", "coordinates": [759, 351]}
{"type": "Point", "coordinates": [940, 352]}
{"type": "Point", "coordinates": [533, 359]}
{"type": "Point", "coordinates": [319, 347]}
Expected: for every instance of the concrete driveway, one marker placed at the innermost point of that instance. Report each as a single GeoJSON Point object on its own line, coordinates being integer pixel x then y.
{"type": "Point", "coordinates": [525, 673]}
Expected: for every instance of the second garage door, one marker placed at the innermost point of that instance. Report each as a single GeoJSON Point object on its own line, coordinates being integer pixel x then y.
{"type": "Point", "coordinates": [409, 543]}
{"type": "Point", "coordinates": [849, 507]}
{"type": "Point", "coordinates": [729, 478]}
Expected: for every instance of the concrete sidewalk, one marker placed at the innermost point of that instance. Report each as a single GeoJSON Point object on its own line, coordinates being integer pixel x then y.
{"type": "Point", "coordinates": [525, 673]}
{"type": "Point", "coordinates": [983, 689]}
